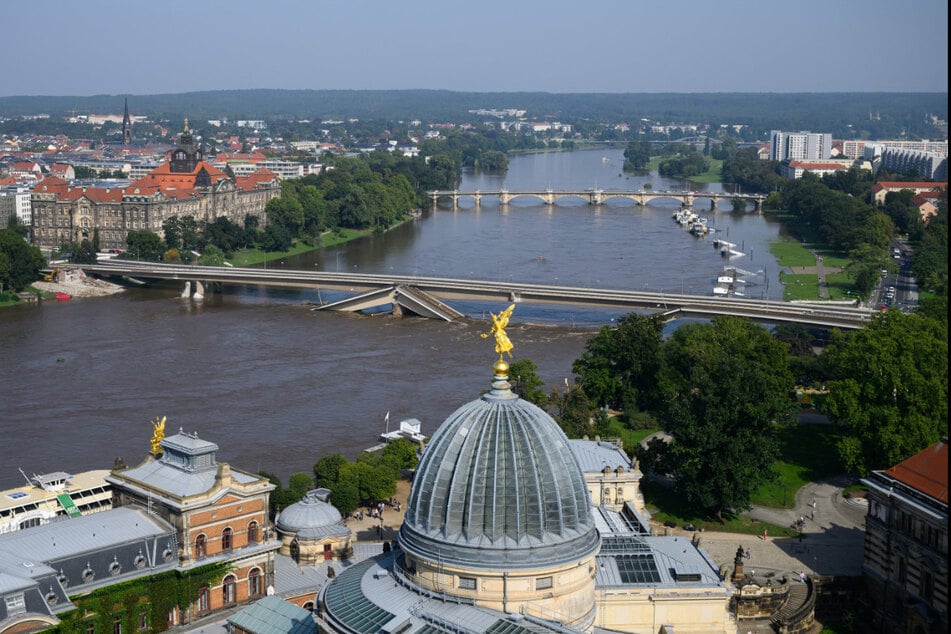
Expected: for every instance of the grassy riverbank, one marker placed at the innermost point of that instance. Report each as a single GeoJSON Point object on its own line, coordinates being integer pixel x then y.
{"type": "Point", "coordinates": [802, 281]}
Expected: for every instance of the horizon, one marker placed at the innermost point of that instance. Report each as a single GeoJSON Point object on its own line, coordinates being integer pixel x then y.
{"type": "Point", "coordinates": [556, 47]}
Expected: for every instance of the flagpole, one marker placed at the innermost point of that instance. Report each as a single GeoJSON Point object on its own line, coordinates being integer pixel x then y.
{"type": "Point", "coordinates": [387, 418]}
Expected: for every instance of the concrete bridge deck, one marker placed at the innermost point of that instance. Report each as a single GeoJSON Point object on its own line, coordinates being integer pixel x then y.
{"type": "Point", "coordinates": [446, 289]}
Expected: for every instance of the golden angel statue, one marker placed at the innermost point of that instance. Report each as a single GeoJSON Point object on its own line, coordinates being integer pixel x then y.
{"type": "Point", "coordinates": [503, 345]}
{"type": "Point", "coordinates": [158, 433]}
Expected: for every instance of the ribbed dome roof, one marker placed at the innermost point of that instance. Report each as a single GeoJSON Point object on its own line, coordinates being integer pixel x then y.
{"type": "Point", "coordinates": [499, 485]}
{"type": "Point", "coordinates": [313, 511]}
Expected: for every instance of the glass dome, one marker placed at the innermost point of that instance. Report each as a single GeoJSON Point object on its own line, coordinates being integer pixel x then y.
{"type": "Point", "coordinates": [498, 485]}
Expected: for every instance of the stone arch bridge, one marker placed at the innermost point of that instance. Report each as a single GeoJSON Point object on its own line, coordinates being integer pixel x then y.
{"type": "Point", "coordinates": [591, 196]}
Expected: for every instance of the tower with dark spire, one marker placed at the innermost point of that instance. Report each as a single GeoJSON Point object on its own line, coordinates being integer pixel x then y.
{"type": "Point", "coordinates": [126, 125]}
{"type": "Point", "coordinates": [188, 154]}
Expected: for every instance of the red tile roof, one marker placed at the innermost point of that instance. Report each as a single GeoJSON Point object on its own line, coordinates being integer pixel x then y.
{"type": "Point", "coordinates": [909, 185]}
{"type": "Point", "coordinates": [926, 471]}
{"type": "Point", "coordinates": [260, 176]}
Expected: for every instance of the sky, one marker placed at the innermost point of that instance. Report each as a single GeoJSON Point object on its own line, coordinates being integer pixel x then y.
{"type": "Point", "coordinates": [132, 47]}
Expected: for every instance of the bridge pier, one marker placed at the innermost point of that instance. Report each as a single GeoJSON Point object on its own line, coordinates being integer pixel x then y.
{"type": "Point", "coordinates": [504, 198]}
{"type": "Point", "coordinates": [478, 198]}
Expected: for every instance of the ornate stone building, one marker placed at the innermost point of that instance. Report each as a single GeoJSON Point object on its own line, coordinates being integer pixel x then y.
{"type": "Point", "coordinates": [906, 544]}
{"type": "Point", "coordinates": [187, 185]}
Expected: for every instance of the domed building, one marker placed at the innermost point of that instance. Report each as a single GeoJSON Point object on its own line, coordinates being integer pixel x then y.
{"type": "Point", "coordinates": [312, 529]}
{"type": "Point", "coordinates": [501, 535]}
{"type": "Point", "coordinates": [500, 513]}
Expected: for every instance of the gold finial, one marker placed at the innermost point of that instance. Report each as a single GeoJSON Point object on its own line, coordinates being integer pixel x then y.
{"type": "Point", "coordinates": [158, 433]}
{"type": "Point", "coordinates": [186, 125]}
{"type": "Point", "coordinates": [503, 345]}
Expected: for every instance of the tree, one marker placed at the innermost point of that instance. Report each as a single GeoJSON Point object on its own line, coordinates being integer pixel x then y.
{"type": "Point", "coordinates": [888, 388]}
{"type": "Point", "coordinates": [327, 470]}
{"type": "Point", "coordinates": [23, 261]}
{"type": "Point", "coordinates": [523, 374]}
{"type": "Point", "coordinates": [401, 453]}
{"type": "Point", "coordinates": [619, 365]}
{"type": "Point", "coordinates": [213, 256]}
{"type": "Point", "coordinates": [725, 384]}
{"type": "Point", "coordinates": [144, 245]}
{"type": "Point", "coordinates": [637, 156]}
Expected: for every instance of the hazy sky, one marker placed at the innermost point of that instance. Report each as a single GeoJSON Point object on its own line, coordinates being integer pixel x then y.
{"type": "Point", "coordinates": [86, 47]}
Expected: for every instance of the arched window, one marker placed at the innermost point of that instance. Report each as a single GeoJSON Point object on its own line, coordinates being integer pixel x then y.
{"type": "Point", "coordinates": [255, 586]}
{"type": "Point", "coordinates": [200, 546]}
{"type": "Point", "coordinates": [228, 593]}
{"type": "Point", "coordinates": [252, 532]}
{"type": "Point", "coordinates": [226, 539]}
{"type": "Point", "coordinates": [204, 599]}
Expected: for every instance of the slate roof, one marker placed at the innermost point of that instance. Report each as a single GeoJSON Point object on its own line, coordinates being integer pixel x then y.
{"type": "Point", "coordinates": [594, 455]}
{"type": "Point", "coordinates": [272, 615]}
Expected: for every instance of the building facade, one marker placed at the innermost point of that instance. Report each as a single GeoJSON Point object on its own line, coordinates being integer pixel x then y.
{"type": "Point", "coordinates": [906, 544]}
{"type": "Point", "coordinates": [184, 186]}
{"type": "Point", "coordinates": [799, 146]}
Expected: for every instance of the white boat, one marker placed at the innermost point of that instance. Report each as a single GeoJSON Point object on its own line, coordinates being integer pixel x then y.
{"type": "Point", "coordinates": [54, 495]}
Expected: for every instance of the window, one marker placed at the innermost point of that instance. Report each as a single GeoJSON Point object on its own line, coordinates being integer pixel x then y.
{"type": "Point", "coordinates": [543, 583]}
{"type": "Point", "coordinates": [143, 621]}
{"type": "Point", "coordinates": [226, 541]}
{"type": "Point", "coordinates": [252, 533]}
{"type": "Point", "coordinates": [16, 604]}
{"type": "Point", "coordinates": [200, 546]}
{"type": "Point", "coordinates": [90, 628]}
{"type": "Point", "coordinates": [117, 626]}
{"type": "Point", "coordinates": [927, 586]}
{"type": "Point", "coordinates": [467, 583]}
{"type": "Point", "coordinates": [228, 595]}
{"type": "Point", "coordinates": [204, 599]}
{"type": "Point", "coordinates": [254, 582]}
{"type": "Point", "coordinates": [901, 570]}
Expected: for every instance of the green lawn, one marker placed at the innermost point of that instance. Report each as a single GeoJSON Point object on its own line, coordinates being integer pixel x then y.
{"type": "Point", "coordinates": [840, 285]}
{"type": "Point", "coordinates": [807, 454]}
{"type": "Point", "coordinates": [712, 175]}
{"type": "Point", "coordinates": [799, 287]}
{"type": "Point", "coordinates": [665, 505]}
{"type": "Point", "coordinates": [789, 252]}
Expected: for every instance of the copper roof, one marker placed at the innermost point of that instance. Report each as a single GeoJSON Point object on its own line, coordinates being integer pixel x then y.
{"type": "Point", "coordinates": [926, 471]}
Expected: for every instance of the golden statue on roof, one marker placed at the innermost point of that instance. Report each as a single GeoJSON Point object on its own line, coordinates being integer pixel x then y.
{"type": "Point", "coordinates": [186, 125]}
{"type": "Point", "coordinates": [503, 345]}
{"type": "Point", "coordinates": [158, 433]}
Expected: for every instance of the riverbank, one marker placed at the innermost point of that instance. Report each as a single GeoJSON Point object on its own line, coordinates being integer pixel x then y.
{"type": "Point", "coordinates": [330, 238]}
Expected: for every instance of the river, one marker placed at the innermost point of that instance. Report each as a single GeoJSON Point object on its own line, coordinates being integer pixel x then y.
{"type": "Point", "coordinates": [277, 385]}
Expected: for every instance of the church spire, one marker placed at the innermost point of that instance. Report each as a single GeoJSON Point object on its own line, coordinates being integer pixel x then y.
{"type": "Point", "coordinates": [126, 125]}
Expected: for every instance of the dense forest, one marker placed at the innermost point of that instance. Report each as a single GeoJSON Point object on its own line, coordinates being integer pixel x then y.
{"type": "Point", "coordinates": [845, 115]}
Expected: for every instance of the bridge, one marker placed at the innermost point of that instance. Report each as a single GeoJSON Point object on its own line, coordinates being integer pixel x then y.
{"type": "Point", "coordinates": [426, 296]}
{"type": "Point", "coordinates": [591, 196]}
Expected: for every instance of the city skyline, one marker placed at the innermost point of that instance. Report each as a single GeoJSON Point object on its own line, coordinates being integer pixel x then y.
{"type": "Point", "coordinates": [684, 46]}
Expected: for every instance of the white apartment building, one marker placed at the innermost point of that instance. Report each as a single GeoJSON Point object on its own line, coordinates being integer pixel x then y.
{"type": "Point", "coordinates": [799, 146]}
{"type": "Point", "coordinates": [15, 201]}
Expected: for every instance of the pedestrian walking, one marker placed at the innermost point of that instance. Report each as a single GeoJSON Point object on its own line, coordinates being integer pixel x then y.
{"type": "Point", "coordinates": [748, 555]}
{"type": "Point", "coordinates": [764, 534]}
{"type": "Point", "coordinates": [802, 577]}
{"type": "Point", "coordinates": [812, 514]}
{"type": "Point", "coordinates": [813, 504]}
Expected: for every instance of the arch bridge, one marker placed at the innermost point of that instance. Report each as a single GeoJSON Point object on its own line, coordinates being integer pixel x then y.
{"type": "Point", "coordinates": [591, 196]}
